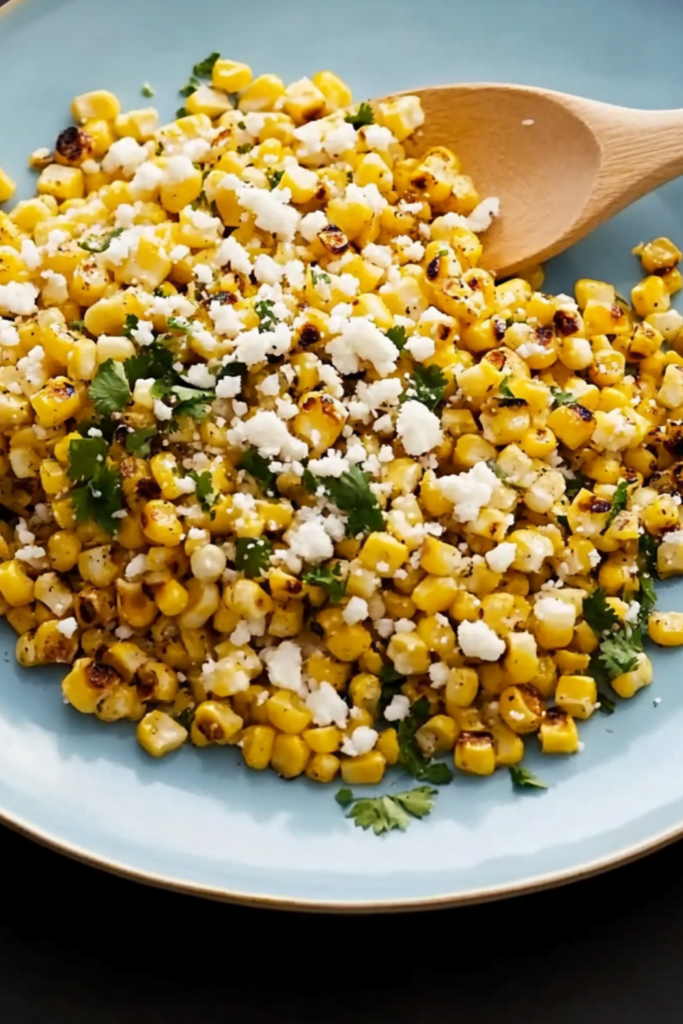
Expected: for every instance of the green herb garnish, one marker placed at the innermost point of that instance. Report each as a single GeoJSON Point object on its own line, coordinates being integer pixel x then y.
{"type": "Point", "coordinates": [647, 553]}
{"type": "Point", "coordinates": [204, 492]}
{"type": "Point", "coordinates": [599, 615]}
{"type": "Point", "coordinates": [78, 325]}
{"type": "Point", "coordinates": [274, 178]}
{"type": "Point", "coordinates": [318, 275]}
{"type": "Point", "coordinates": [181, 112]}
{"type": "Point", "coordinates": [398, 336]}
{"type": "Point", "coordinates": [252, 556]}
{"type": "Point", "coordinates": [204, 68]}
{"type": "Point", "coordinates": [153, 360]}
{"type": "Point", "coordinates": [147, 90]}
{"type": "Point", "coordinates": [618, 502]}
{"type": "Point", "coordinates": [561, 397]}
{"type": "Point", "coordinates": [192, 86]}
{"type": "Point", "coordinates": [427, 385]}
{"type": "Point", "coordinates": [99, 243]}
{"type": "Point", "coordinates": [363, 116]}
{"type": "Point", "coordinates": [265, 313]}
{"type": "Point", "coordinates": [100, 494]}
{"type": "Point", "coordinates": [138, 441]}
{"type": "Point", "coordinates": [245, 147]}
{"type": "Point", "coordinates": [575, 484]}
{"type": "Point", "coordinates": [186, 718]}
{"type": "Point", "coordinates": [523, 778]}
{"type": "Point", "coordinates": [385, 813]}
{"type": "Point", "coordinates": [109, 390]}
{"type": "Point", "coordinates": [258, 467]}
{"type": "Point", "coordinates": [411, 757]}
{"type": "Point", "coordinates": [329, 579]}
{"type": "Point", "coordinates": [351, 494]}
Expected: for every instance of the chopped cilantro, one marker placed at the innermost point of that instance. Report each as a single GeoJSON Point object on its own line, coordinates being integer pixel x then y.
{"type": "Point", "coordinates": [258, 467]}
{"type": "Point", "coordinates": [138, 441]}
{"type": "Point", "coordinates": [191, 402]}
{"type": "Point", "coordinates": [619, 654]}
{"type": "Point", "coordinates": [411, 757]}
{"type": "Point", "coordinates": [252, 556]}
{"type": "Point", "coordinates": [385, 813]}
{"type": "Point", "coordinates": [351, 494]}
{"type": "Point", "coordinates": [147, 90]}
{"type": "Point", "coordinates": [152, 361]}
{"type": "Point", "coordinates": [576, 484]}
{"type": "Point", "coordinates": [392, 681]}
{"type": "Point", "coordinates": [186, 718]}
{"type": "Point", "coordinates": [99, 243]}
{"type": "Point", "coordinates": [505, 391]}
{"type": "Point", "coordinates": [398, 336]}
{"type": "Point", "coordinates": [274, 178]}
{"type": "Point", "coordinates": [84, 457]}
{"type": "Point", "coordinates": [329, 579]}
{"type": "Point", "coordinates": [205, 494]}
{"type": "Point", "coordinates": [130, 324]}
{"type": "Point", "coordinates": [647, 553]}
{"type": "Point", "coordinates": [78, 325]}
{"type": "Point", "coordinates": [618, 501]}
{"type": "Point", "coordinates": [109, 390]}
{"type": "Point", "coordinates": [181, 112]}
{"type": "Point", "coordinates": [245, 147]}
{"type": "Point", "coordinates": [178, 323]}
{"type": "Point", "coordinates": [427, 385]}
{"type": "Point", "coordinates": [561, 397]}
{"type": "Point", "coordinates": [235, 369]}
{"type": "Point", "coordinates": [647, 598]}
{"type": "Point", "coordinates": [363, 116]}
{"type": "Point", "coordinates": [599, 615]}
{"type": "Point", "coordinates": [523, 778]}
{"type": "Point", "coordinates": [100, 495]}
{"type": "Point", "coordinates": [265, 313]}
{"type": "Point", "coordinates": [204, 68]}
{"type": "Point", "coordinates": [607, 705]}
{"type": "Point", "coordinates": [192, 86]}
{"type": "Point", "coordinates": [318, 275]}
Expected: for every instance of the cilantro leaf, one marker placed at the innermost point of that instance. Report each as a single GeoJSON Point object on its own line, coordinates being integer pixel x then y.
{"type": "Point", "coordinates": [204, 68]}
{"type": "Point", "coordinates": [351, 494]}
{"type": "Point", "coordinates": [329, 579]}
{"type": "Point", "coordinates": [178, 323]}
{"type": "Point", "coordinates": [235, 369]}
{"type": "Point", "coordinates": [252, 556]}
{"type": "Point", "coordinates": [181, 112]}
{"type": "Point", "coordinates": [192, 86]}
{"type": "Point", "coordinates": [258, 467]}
{"type": "Point", "coordinates": [618, 654]}
{"type": "Point", "coordinates": [647, 598]}
{"type": "Point", "coordinates": [138, 441]}
{"type": "Point", "coordinates": [561, 397]}
{"type": "Point", "coordinates": [522, 777]}
{"type": "Point", "coordinates": [618, 501]}
{"type": "Point", "coordinates": [186, 718]}
{"type": "Point", "coordinates": [576, 484]}
{"type": "Point", "coordinates": [385, 813]}
{"type": "Point", "coordinates": [411, 757]}
{"type": "Point", "coordinates": [191, 402]}
{"type": "Point", "coordinates": [647, 553]}
{"type": "Point", "coordinates": [427, 385]}
{"type": "Point", "coordinates": [274, 178]}
{"type": "Point", "coordinates": [78, 325]}
{"type": "Point", "coordinates": [99, 243]}
{"type": "Point", "coordinates": [318, 275]}
{"type": "Point", "coordinates": [505, 388]}
{"type": "Point", "coordinates": [206, 496]}
{"type": "Point", "coordinates": [398, 336]}
{"type": "Point", "coordinates": [245, 147]}
{"type": "Point", "coordinates": [109, 390]}
{"type": "Point", "coordinates": [99, 498]}
{"type": "Point", "coordinates": [267, 319]}
{"type": "Point", "coordinates": [130, 324]}
{"type": "Point", "coordinates": [392, 681]}
{"type": "Point", "coordinates": [152, 361]}
{"type": "Point", "coordinates": [363, 116]}
{"type": "Point", "coordinates": [147, 90]}
{"type": "Point", "coordinates": [84, 457]}
{"type": "Point", "coordinates": [599, 615]}
{"type": "Point", "coordinates": [607, 705]}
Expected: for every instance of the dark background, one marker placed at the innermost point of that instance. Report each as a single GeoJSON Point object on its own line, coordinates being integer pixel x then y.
{"type": "Point", "coordinates": [81, 947]}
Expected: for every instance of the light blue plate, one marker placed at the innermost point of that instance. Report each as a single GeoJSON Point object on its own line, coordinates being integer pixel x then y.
{"type": "Point", "coordinates": [200, 821]}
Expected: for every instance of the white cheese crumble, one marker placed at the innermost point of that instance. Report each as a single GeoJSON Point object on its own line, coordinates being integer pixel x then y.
{"type": "Point", "coordinates": [360, 741]}
{"type": "Point", "coordinates": [355, 611]}
{"type": "Point", "coordinates": [477, 640]}
{"type": "Point", "coordinates": [398, 709]}
{"type": "Point", "coordinates": [419, 429]}
{"type": "Point", "coordinates": [67, 627]}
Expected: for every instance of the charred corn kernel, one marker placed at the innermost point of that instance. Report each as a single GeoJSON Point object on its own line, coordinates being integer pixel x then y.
{"type": "Point", "coordinates": [666, 628]}
{"type": "Point", "coordinates": [439, 558]}
{"type": "Point", "coordinates": [15, 586]}
{"type": "Point", "coordinates": [159, 734]}
{"type": "Point", "coordinates": [121, 702]}
{"type": "Point", "coordinates": [387, 745]}
{"type": "Point", "coordinates": [577, 695]}
{"type": "Point", "coordinates": [158, 681]}
{"type": "Point", "coordinates": [160, 523]}
{"type": "Point", "coordinates": [365, 769]}
{"type": "Point", "coordinates": [475, 753]}
{"type": "Point", "coordinates": [572, 424]}
{"type": "Point", "coordinates": [558, 733]}
{"type": "Point", "coordinates": [437, 735]}
{"type": "Point", "coordinates": [290, 755]}
{"type": "Point", "coordinates": [88, 683]}
{"type": "Point", "coordinates": [522, 708]}
{"type": "Point", "coordinates": [288, 713]}
{"type": "Point", "coordinates": [214, 722]}
{"type": "Point", "coordinates": [628, 684]}
{"type": "Point", "coordinates": [323, 768]}
{"type": "Point", "coordinates": [57, 402]}
{"type": "Point", "coordinates": [508, 746]}
{"type": "Point", "coordinates": [257, 746]}
{"type": "Point", "coordinates": [54, 647]}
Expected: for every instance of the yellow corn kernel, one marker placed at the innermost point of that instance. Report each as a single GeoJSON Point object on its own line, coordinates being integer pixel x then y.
{"type": "Point", "coordinates": [336, 92]}
{"type": "Point", "coordinates": [666, 628]}
{"type": "Point", "coordinates": [262, 94]}
{"type": "Point", "coordinates": [475, 753]}
{"type": "Point", "coordinates": [7, 186]}
{"type": "Point", "coordinates": [366, 769]}
{"type": "Point", "coordinates": [465, 607]}
{"type": "Point", "coordinates": [52, 646]}
{"type": "Point", "coordinates": [365, 691]}
{"type": "Point", "coordinates": [158, 734]}
{"type": "Point", "coordinates": [437, 735]}
{"type": "Point", "coordinates": [62, 182]}
{"type": "Point", "coordinates": [650, 296]}
{"type": "Point", "coordinates": [401, 116]}
{"type": "Point", "coordinates": [323, 768]}
{"type": "Point", "coordinates": [160, 524]}
{"type": "Point", "coordinates": [214, 722]}
{"type": "Point", "coordinates": [521, 659]}
{"type": "Point", "coordinates": [387, 745]}
{"type": "Point", "coordinates": [319, 422]}
{"type": "Point", "coordinates": [409, 654]}
{"type": "Point", "coordinates": [462, 687]}
{"type": "Point", "coordinates": [288, 713]}
{"type": "Point", "coordinates": [15, 586]}
{"type": "Point", "coordinates": [558, 733]}
{"type": "Point", "coordinates": [57, 402]}
{"type": "Point", "coordinates": [439, 558]}
{"type": "Point", "coordinates": [572, 424]}
{"type": "Point", "coordinates": [323, 669]}
{"type": "Point", "coordinates": [577, 695]}
{"type": "Point", "coordinates": [98, 105]}
{"type": "Point", "coordinates": [383, 554]}
{"type": "Point", "coordinates": [257, 746]}
{"type": "Point", "coordinates": [522, 708]}
{"type": "Point", "coordinates": [290, 755]}
{"type": "Point", "coordinates": [325, 739]}
{"type": "Point", "coordinates": [348, 643]}
{"type": "Point", "coordinates": [509, 747]}
{"type": "Point", "coordinates": [87, 683]}
{"type": "Point", "coordinates": [172, 598]}
{"type": "Point", "coordinates": [571, 662]}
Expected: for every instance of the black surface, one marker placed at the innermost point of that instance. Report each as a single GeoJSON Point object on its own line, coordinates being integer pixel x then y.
{"type": "Point", "coordinates": [81, 947]}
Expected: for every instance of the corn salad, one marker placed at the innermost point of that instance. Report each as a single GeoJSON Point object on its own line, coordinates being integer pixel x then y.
{"type": "Point", "coordinates": [285, 469]}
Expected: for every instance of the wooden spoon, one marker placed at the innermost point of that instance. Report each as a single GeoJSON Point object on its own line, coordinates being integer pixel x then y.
{"type": "Point", "coordinates": [559, 164]}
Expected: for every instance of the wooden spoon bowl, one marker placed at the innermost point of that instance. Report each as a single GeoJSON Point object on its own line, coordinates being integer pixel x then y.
{"type": "Point", "coordinates": [560, 164]}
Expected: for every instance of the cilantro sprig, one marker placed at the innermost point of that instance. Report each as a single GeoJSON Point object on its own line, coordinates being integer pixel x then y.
{"type": "Point", "coordinates": [204, 492]}
{"type": "Point", "coordinates": [399, 337]}
{"type": "Point", "coordinates": [351, 494]}
{"type": "Point", "coordinates": [204, 68]}
{"type": "Point", "coordinates": [522, 778]}
{"type": "Point", "coordinates": [427, 385]}
{"type": "Point", "coordinates": [329, 578]}
{"type": "Point", "coordinates": [618, 502]}
{"type": "Point", "coordinates": [386, 813]}
{"type": "Point", "coordinates": [363, 116]}
{"type": "Point", "coordinates": [411, 758]}
{"type": "Point", "coordinates": [138, 442]}
{"type": "Point", "coordinates": [252, 556]}
{"type": "Point", "coordinates": [258, 467]}
{"type": "Point", "coordinates": [266, 315]}
{"type": "Point", "coordinates": [99, 243]}
{"type": "Point", "coordinates": [392, 681]}
{"type": "Point", "coordinates": [99, 495]}
{"type": "Point", "coordinates": [274, 178]}
{"type": "Point", "coordinates": [620, 646]}
{"type": "Point", "coordinates": [561, 397]}
{"type": "Point", "coordinates": [110, 391]}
